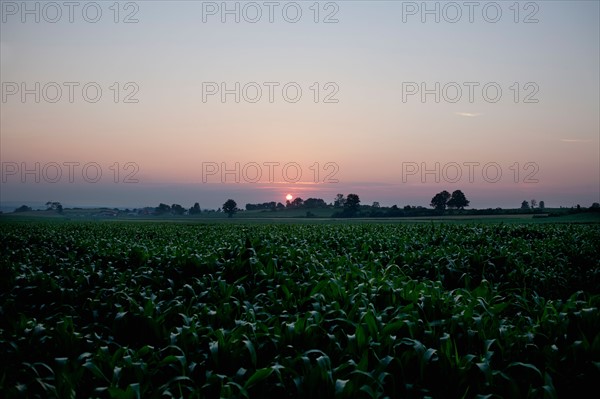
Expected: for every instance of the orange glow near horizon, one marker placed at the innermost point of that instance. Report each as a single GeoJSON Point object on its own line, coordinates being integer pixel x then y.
{"type": "Point", "coordinates": [391, 126]}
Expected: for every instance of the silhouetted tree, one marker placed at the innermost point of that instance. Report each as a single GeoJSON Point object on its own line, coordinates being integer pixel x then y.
{"type": "Point", "coordinates": [54, 206]}
{"type": "Point", "coordinates": [264, 206]}
{"type": "Point", "coordinates": [162, 208]}
{"type": "Point", "coordinates": [195, 210]}
{"type": "Point", "coordinates": [315, 203]}
{"type": "Point", "coordinates": [230, 207]}
{"type": "Point", "coordinates": [395, 211]}
{"type": "Point", "coordinates": [339, 201]}
{"type": "Point", "coordinates": [440, 200]}
{"type": "Point", "coordinates": [23, 208]}
{"type": "Point", "coordinates": [352, 203]}
{"type": "Point", "coordinates": [376, 205]}
{"type": "Point", "coordinates": [542, 205]}
{"type": "Point", "coordinates": [524, 205]}
{"type": "Point", "coordinates": [177, 209]}
{"type": "Point", "coordinates": [533, 203]}
{"type": "Point", "coordinates": [458, 200]}
{"type": "Point", "coordinates": [297, 202]}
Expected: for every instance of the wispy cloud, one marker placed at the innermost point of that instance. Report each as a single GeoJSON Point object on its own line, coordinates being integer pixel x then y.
{"type": "Point", "coordinates": [575, 141]}
{"type": "Point", "coordinates": [468, 114]}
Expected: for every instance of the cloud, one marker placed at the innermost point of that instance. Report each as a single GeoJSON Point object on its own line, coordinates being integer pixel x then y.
{"type": "Point", "coordinates": [575, 141]}
{"type": "Point", "coordinates": [468, 114]}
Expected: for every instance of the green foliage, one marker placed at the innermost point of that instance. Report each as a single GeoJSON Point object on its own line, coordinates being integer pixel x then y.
{"type": "Point", "coordinates": [458, 200]}
{"type": "Point", "coordinates": [440, 200]}
{"type": "Point", "coordinates": [54, 206]}
{"type": "Point", "coordinates": [230, 207]}
{"type": "Point", "coordinates": [352, 202]}
{"type": "Point", "coordinates": [347, 311]}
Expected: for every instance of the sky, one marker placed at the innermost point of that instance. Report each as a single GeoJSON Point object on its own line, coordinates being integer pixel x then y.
{"type": "Point", "coordinates": [128, 104]}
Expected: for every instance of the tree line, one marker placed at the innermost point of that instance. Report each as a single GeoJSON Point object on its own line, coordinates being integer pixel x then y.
{"type": "Point", "coordinates": [343, 206]}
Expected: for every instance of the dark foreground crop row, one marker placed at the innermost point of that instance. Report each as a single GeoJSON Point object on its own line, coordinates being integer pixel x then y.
{"type": "Point", "coordinates": [158, 310]}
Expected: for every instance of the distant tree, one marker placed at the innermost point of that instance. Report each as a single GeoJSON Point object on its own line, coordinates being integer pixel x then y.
{"type": "Point", "coordinates": [195, 210]}
{"type": "Point", "coordinates": [440, 200]}
{"type": "Point", "coordinates": [177, 209]}
{"type": "Point", "coordinates": [288, 204]}
{"type": "Point", "coordinates": [352, 202]}
{"type": "Point", "coordinates": [162, 209]}
{"type": "Point", "coordinates": [595, 205]}
{"type": "Point", "coordinates": [339, 201]}
{"type": "Point", "coordinates": [280, 206]}
{"type": "Point", "coordinates": [315, 203]}
{"type": "Point", "coordinates": [458, 200]}
{"type": "Point", "coordinates": [533, 203]}
{"type": "Point", "coordinates": [264, 206]}
{"type": "Point", "coordinates": [54, 206]}
{"type": "Point", "coordinates": [230, 207]}
{"type": "Point", "coordinates": [542, 205]}
{"type": "Point", "coordinates": [23, 208]}
{"type": "Point", "coordinates": [297, 202]}
{"type": "Point", "coordinates": [395, 211]}
{"type": "Point", "coordinates": [376, 205]}
{"type": "Point", "coordinates": [524, 205]}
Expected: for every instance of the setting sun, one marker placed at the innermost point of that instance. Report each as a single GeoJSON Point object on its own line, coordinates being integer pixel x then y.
{"type": "Point", "coordinates": [289, 197]}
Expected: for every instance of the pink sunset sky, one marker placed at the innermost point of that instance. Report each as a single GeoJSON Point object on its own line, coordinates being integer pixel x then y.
{"type": "Point", "coordinates": [382, 99]}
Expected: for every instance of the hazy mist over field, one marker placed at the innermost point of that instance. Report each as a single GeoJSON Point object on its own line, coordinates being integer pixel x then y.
{"type": "Point", "coordinates": [136, 103]}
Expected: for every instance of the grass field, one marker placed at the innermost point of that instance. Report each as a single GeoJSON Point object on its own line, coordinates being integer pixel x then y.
{"type": "Point", "coordinates": [320, 216]}
{"type": "Point", "coordinates": [251, 308]}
